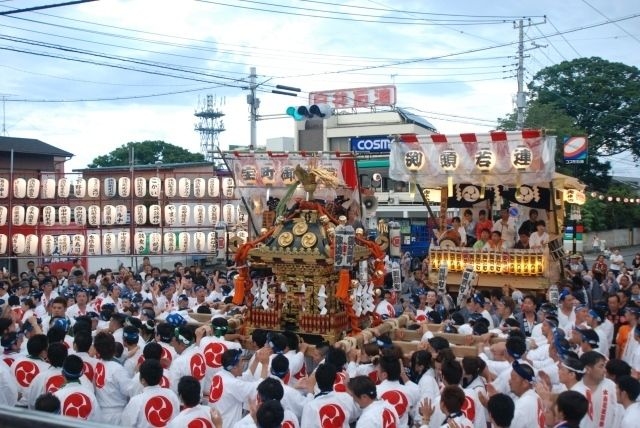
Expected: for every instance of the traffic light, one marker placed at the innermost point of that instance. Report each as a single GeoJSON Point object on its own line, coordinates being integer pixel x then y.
{"type": "Point", "coordinates": [321, 111]}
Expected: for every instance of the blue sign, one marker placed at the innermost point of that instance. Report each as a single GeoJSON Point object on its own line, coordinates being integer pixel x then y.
{"type": "Point", "coordinates": [372, 143]}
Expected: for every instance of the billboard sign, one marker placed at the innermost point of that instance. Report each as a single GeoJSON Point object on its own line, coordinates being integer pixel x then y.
{"type": "Point", "coordinates": [371, 143]}
{"type": "Point", "coordinates": [375, 96]}
{"type": "Point", "coordinates": [575, 150]}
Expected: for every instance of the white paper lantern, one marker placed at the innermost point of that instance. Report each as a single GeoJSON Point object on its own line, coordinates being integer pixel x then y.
{"type": "Point", "coordinates": [31, 245]}
{"type": "Point", "coordinates": [48, 215]}
{"type": "Point", "coordinates": [221, 233]}
{"type": "Point", "coordinates": [108, 215]}
{"type": "Point", "coordinates": [110, 188]}
{"type": "Point", "coordinates": [93, 215]}
{"type": "Point", "coordinates": [199, 213]}
{"type": "Point", "coordinates": [48, 187]}
{"type": "Point", "coordinates": [155, 214]}
{"type": "Point", "coordinates": [33, 188]}
{"type": "Point", "coordinates": [521, 157]}
{"type": "Point", "coordinates": [449, 160]}
{"type": "Point", "coordinates": [124, 243]}
{"type": "Point", "coordinates": [17, 215]}
{"type": "Point", "coordinates": [48, 245]}
{"type": "Point", "coordinates": [19, 188]}
{"type": "Point", "coordinates": [268, 174]}
{"type": "Point", "coordinates": [213, 187]}
{"type": "Point", "coordinates": [485, 159]}
{"type": "Point", "coordinates": [414, 160]}
{"type": "Point", "coordinates": [64, 245]}
{"type": "Point", "coordinates": [228, 187]}
{"type": "Point", "coordinates": [212, 242]}
{"type": "Point", "coordinates": [80, 215]}
{"type": "Point", "coordinates": [4, 188]}
{"type": "Point", "coordinates": [170, 214]}
{"type": "Point", "coordinates": [229, 214]}
{"type": "Point", "coordinates": [64, 187]}
{"type": "Point", "coordinates": [199, 242]}
{"type": "Point", "coordinates": [124, 187]}
{"type": "Point", "coordinates": [213, 214]}
{"type": "Point", "coordinates": [184, 214]}
{"type": "Point", "coordinates": [3, 215]}
{"type": "Point", "coordinates": [170, 187]}
{"type": "Point", "coordinates": [170, 243]}
{"type": "Point", "coordinates": [140, 214]}
{"type": "Point", "coordinates": [241, 215]}
{"type": "Point", "coordinates": [288, 175]}
{"type": "Point", "coordinates": [184, 240]}
{"type": "Point", "coordinates": [31, 215]}
{"type": "Point", "coordinates": [243, 235]}
{"type": "Point", "coordinates": [140, 187]}
{"type": "Point", "coordinates": [140, 242]}
{"type": "Point", "coordinates": [18, 242]}
{"type": "Point", "coordinates": [155, 243]}
{"type": "Point", "coordinates": [121, 214]}
{"type": "Point", "coordinates": [93, 188]}
{"type": "Point", "coordinates": [77, 245]}
{"type": "Point", "coordinates": [199, 187]}
{"type": "Point", "coordinates": [93, 244]}
{"type": "Point", "coordinates": [3, 243]}
{"type": "Point", "coordinates": [155, 187]}
{"type": "Point", "coordinates": [80, 188]}
{"type": "Point", "coordinates": [249, 175]}
{"type": "Point", "coordinates": [108, 243]}
{"type": "Point", "coordinates": [64, 215]}
{"type": "Point", "coordinates": [184, 187]}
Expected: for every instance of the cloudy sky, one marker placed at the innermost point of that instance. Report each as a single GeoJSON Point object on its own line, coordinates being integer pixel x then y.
{"type": "Point", "coordinates": [88, 78]}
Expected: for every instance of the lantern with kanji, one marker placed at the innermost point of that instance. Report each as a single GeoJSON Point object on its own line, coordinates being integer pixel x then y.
{"type": "Point", "coordinates": [344, 247]}
{"type": "Point", "coordinates": [288, 175]}
{"type": "Point", "coordinates": [485, 159]}
{"type": "Point", "coordinates": [449, 163]}
{"type": "Point", "coordinates": [521, 157]}
{"type": "Point", "coordinates": [249, 175]}
{"type": "Point", "coordinates": [414, 160]}
{"type": "Point", "coordinates": [268, 177]}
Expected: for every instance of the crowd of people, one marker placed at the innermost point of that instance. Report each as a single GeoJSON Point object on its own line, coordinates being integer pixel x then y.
{"type": "Point", "coordinates": [125, 348]}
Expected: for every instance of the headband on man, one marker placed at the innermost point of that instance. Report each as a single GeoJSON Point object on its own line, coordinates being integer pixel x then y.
{"type": "Point", "coordinates": [524, 371]}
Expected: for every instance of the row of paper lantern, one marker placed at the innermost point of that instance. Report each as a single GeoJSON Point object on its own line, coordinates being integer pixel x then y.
{"type": "Point", "coordinates": [484, 159]}
{"type": "Point", "coordinates": [110, 215]}
{"type": "Point", "coordinates": [80, 188]}
{"type": "Point", "coordinates": [116, 243]}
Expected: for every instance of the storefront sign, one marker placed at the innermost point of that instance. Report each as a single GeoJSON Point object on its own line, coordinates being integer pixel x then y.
{"type": "Point", "coordinates": [355, 97]}
{"type": "Point", "coordinates": [372, 143]}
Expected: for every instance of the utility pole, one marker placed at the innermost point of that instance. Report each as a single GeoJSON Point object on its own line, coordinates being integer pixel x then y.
{"type": "Point", "coordinates": [521, 97]}
{"type": "Point", "coordinates": [254, 103]}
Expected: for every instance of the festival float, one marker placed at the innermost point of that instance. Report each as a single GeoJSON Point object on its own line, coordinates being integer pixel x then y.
{"type": "Point", "coordinates": [308, 270]}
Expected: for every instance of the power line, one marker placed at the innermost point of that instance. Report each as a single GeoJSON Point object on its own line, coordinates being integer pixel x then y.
{"type": "Point", "coordinates": [552, 45]}
{"type": "Point", "coordinates": [614, 23]}
{"type": "Point", "coordinates": [563, 37]}
{"type": "Point", "coordinates": [46, 6]}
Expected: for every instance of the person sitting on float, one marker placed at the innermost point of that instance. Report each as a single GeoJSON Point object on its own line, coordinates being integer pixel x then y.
{"type": "Point", "coordinates": [496, 243]}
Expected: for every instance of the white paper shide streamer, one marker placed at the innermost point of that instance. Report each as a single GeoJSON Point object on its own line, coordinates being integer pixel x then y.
{"type": "Point", "coordinates": [110, 187]}
{"type": "Point", "coordinates": [184, 214]}
{"type": "Point", "coordinates": [199, 242]}
{"type": "Point", "coordinates": [93, 244]}
{"type": "Point", "coordinates": [49, 188]}
{"type": "Point", "coordinates": [80, 215]}
{"type": "Point", "coordinates": [140, 214]}
{"type": "Point", "coordinates": [124, 243]}
{"type": "Point", "coordinates": [19, 188]}
{"type": "Point", "coordinates": [64, 245]}
{"type": "Point", "coordinates": [108, 215]}
{"type": "Point", "coordinates": [124, 187]}
{"type": "Point", "coordinates": [140, 187]}
{"type": "Point", "coordinates": [80, 188]}
{"type": "Point", "coordinates": [170, 242]}
{"type": "Point", "coordinates": [48, 245]}
{"type": "Point", "coordinates": [33, 188]}
{"type": "Point", "coordinates": [18, 242]}
{"type": "Point", "coordinates": [121, 214]}
{"type": "Point", "coordinates": [140, 242]}
{"type": "Point", "coordinates": [170, 187]}
{"type": "Point", "coordinates": [31, 245]}
{"type": "Point", "coordinates": [170, 214]}
{"type": "Point", "coordinates": [155, 243]}
{"type": "Point", "coordinates": [213, 187]}
{"type": "Point", "coordinates": [155, 186]}
{"type": "Point", "coordinates": [199, 187]}
{"type": "Point", "coordinates": [4, 188]}
{"type": "Point", "coordinates": [48, 215]}
{"type": "Point", "coordinates": [93, 188]}
{"type": "Point", "coordinates": [93, 215]}
{"type": "Point", "coordinates": [31, 215]}
{"type": "Point", "coordinates": [17, 215]}
{"type": "Point", "coordinates": [108, 243]}
{"type": "Point", "coordinates": [64, 187]}
{"type": "Point", "coordinates": [183, 242]}
{"type": "Point", "coordinates": [155, 214]}
{"type": "Point", "coordinates": [64, 215]}
{"type": "Point", "coordinates": [184, 187]}
{"type": "Point", "coordinates": [77, 244]}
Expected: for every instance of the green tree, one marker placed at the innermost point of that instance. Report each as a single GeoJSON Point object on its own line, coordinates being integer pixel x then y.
{"type": "Point", "coordinates": [594, 173]}
{"type": "Point", "coordinates": [145, 153]}
{"type": "Point", "coordinates": [602, 96]}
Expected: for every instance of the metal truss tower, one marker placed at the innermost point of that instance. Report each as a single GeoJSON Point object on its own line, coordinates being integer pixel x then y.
{"type": "Point", "coordinates": [209, 125]}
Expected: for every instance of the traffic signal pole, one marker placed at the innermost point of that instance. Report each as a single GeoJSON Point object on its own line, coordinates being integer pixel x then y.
{"type": "Point", "coordinates": [254, 103]}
